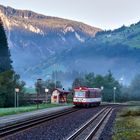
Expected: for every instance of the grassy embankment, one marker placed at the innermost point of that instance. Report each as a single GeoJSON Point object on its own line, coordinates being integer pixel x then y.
{"type": "Point", "coordinates": [10, 111]}
{"type": "Point", "coordinates": [127, 125]}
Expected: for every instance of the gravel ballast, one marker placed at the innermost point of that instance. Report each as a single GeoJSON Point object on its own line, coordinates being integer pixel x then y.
{"type": "Point", "coordinates": [59, 128]}
{"type": "Point", "coordinates": [62, 127]}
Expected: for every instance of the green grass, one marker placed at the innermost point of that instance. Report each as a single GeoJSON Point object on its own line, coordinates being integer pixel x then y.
{"type": "Point", "coordinates": [10, 111]}
{"type": "Point", "coordinates": [133, 103]}
{"type": "Point", "coordinates": [127, 125]}
{"type": "Point", "coordinates": [132, 111]}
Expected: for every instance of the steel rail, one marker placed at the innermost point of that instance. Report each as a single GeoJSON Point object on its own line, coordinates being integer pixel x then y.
{"type": "Point", "coordinates": [11, 129]}
{"type": "Point", "coordinates": [95, 129]}
{"type": "Point", "coordinates": [81, 129]}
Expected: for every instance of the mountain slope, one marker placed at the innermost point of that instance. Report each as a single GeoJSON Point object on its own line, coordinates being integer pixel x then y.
{"type": "Point", "coordinates": [33, 38]}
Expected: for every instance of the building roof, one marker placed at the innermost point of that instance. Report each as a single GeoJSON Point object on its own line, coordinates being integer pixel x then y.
{"type": "Point", "coordinates": [30, 90]}
{"type": "Point", "coordinates": [62, 91]}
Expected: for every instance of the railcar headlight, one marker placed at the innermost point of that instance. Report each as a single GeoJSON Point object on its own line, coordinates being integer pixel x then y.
{"type": "Point", "coordinates": [83, 100]}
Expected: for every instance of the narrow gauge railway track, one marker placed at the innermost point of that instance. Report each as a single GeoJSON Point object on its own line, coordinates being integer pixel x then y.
{"type": "Point", "coordinates": [14, 128]}
{"type": "Point", "coordinates": [88, 130]}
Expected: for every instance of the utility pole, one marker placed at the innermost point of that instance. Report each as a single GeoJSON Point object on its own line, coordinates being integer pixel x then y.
{"type": "Point", "coordinates": [38, 87]}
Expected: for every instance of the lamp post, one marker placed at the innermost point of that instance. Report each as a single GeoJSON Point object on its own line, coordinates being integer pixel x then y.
{"type": "Point", "coordinates": [46, 91]}
{"type": "Point", "coordinates": [38, 86]}
{"type": "Point", "coordinates": [114, 94]}
{"type": "Point", "coordinates": [16, 96]}
{"type": "Point", "coordinates": [102, 88]}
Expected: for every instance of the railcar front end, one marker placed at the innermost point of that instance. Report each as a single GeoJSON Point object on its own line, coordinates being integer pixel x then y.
{"type": "Point", "coordinates": [84, 96]}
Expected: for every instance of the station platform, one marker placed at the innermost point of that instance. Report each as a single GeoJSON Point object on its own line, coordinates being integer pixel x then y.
{"type": "Point", "coordinates": [12, 119]}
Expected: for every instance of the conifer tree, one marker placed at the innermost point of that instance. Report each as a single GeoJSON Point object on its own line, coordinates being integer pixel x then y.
{"type": "Point", "coordinates": [5, 62]}
{"type": "Point", "coordinates": [8, 78]}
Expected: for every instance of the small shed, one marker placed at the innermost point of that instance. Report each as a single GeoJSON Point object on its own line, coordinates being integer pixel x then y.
{"type": "Point", "coordinates": [59, 96]}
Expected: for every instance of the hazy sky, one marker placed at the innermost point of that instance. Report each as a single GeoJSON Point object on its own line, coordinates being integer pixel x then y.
{"type": "Point", "coordinates": [106, 14]}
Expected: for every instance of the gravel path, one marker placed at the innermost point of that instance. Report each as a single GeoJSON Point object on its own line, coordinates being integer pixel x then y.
{"type": "Point", "coordinates": [57, 129]}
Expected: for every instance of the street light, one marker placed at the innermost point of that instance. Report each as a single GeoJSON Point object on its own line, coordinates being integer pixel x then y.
{"type": "Point", "coordinates": [102, 88]}
{"type": "Point", "coordinates": [114, 93]}
{"type": "Point", "coordinates": [16, 96]}
{"type": "Point", "coordinates": [46, 91]}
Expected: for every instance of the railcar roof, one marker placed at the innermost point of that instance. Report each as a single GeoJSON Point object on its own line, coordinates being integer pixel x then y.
{"type": "Point", "coordinates": [86, 89]}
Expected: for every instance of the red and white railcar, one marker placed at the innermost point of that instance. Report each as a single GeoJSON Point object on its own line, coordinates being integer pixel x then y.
{"type": "Point", "coordinates": [84, 96]}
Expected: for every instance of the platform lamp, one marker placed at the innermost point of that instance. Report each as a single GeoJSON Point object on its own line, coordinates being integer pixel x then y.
{"type": "Point", "coordinates": [16, 97]}
{"type": "Point", "coordinates": [102, 88]}
{"type": "Point", "coordinates": [114, 97]}
{"type": "Point", "coordinates": [46, 91]}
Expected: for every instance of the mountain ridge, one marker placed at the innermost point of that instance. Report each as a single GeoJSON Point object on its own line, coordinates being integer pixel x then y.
{"type": "Point", "coordinates": [55, 22]}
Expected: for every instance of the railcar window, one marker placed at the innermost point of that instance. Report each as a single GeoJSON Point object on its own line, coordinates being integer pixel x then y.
{"type": "Point", "coordinates": [92, 94]}
{"type": "Point", "coordinates": [97, 94]}
{"type": "Point", "coordinates": [79, 94]}
{"type": "Point", "coordinates": [88, 94]}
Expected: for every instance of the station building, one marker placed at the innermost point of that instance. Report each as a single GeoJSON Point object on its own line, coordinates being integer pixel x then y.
{"type": "Point", "coordinates": [59, 96]}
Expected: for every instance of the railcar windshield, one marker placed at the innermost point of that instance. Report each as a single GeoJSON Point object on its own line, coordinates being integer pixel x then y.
{"type": "Point", "coordinates": [80, 94]}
